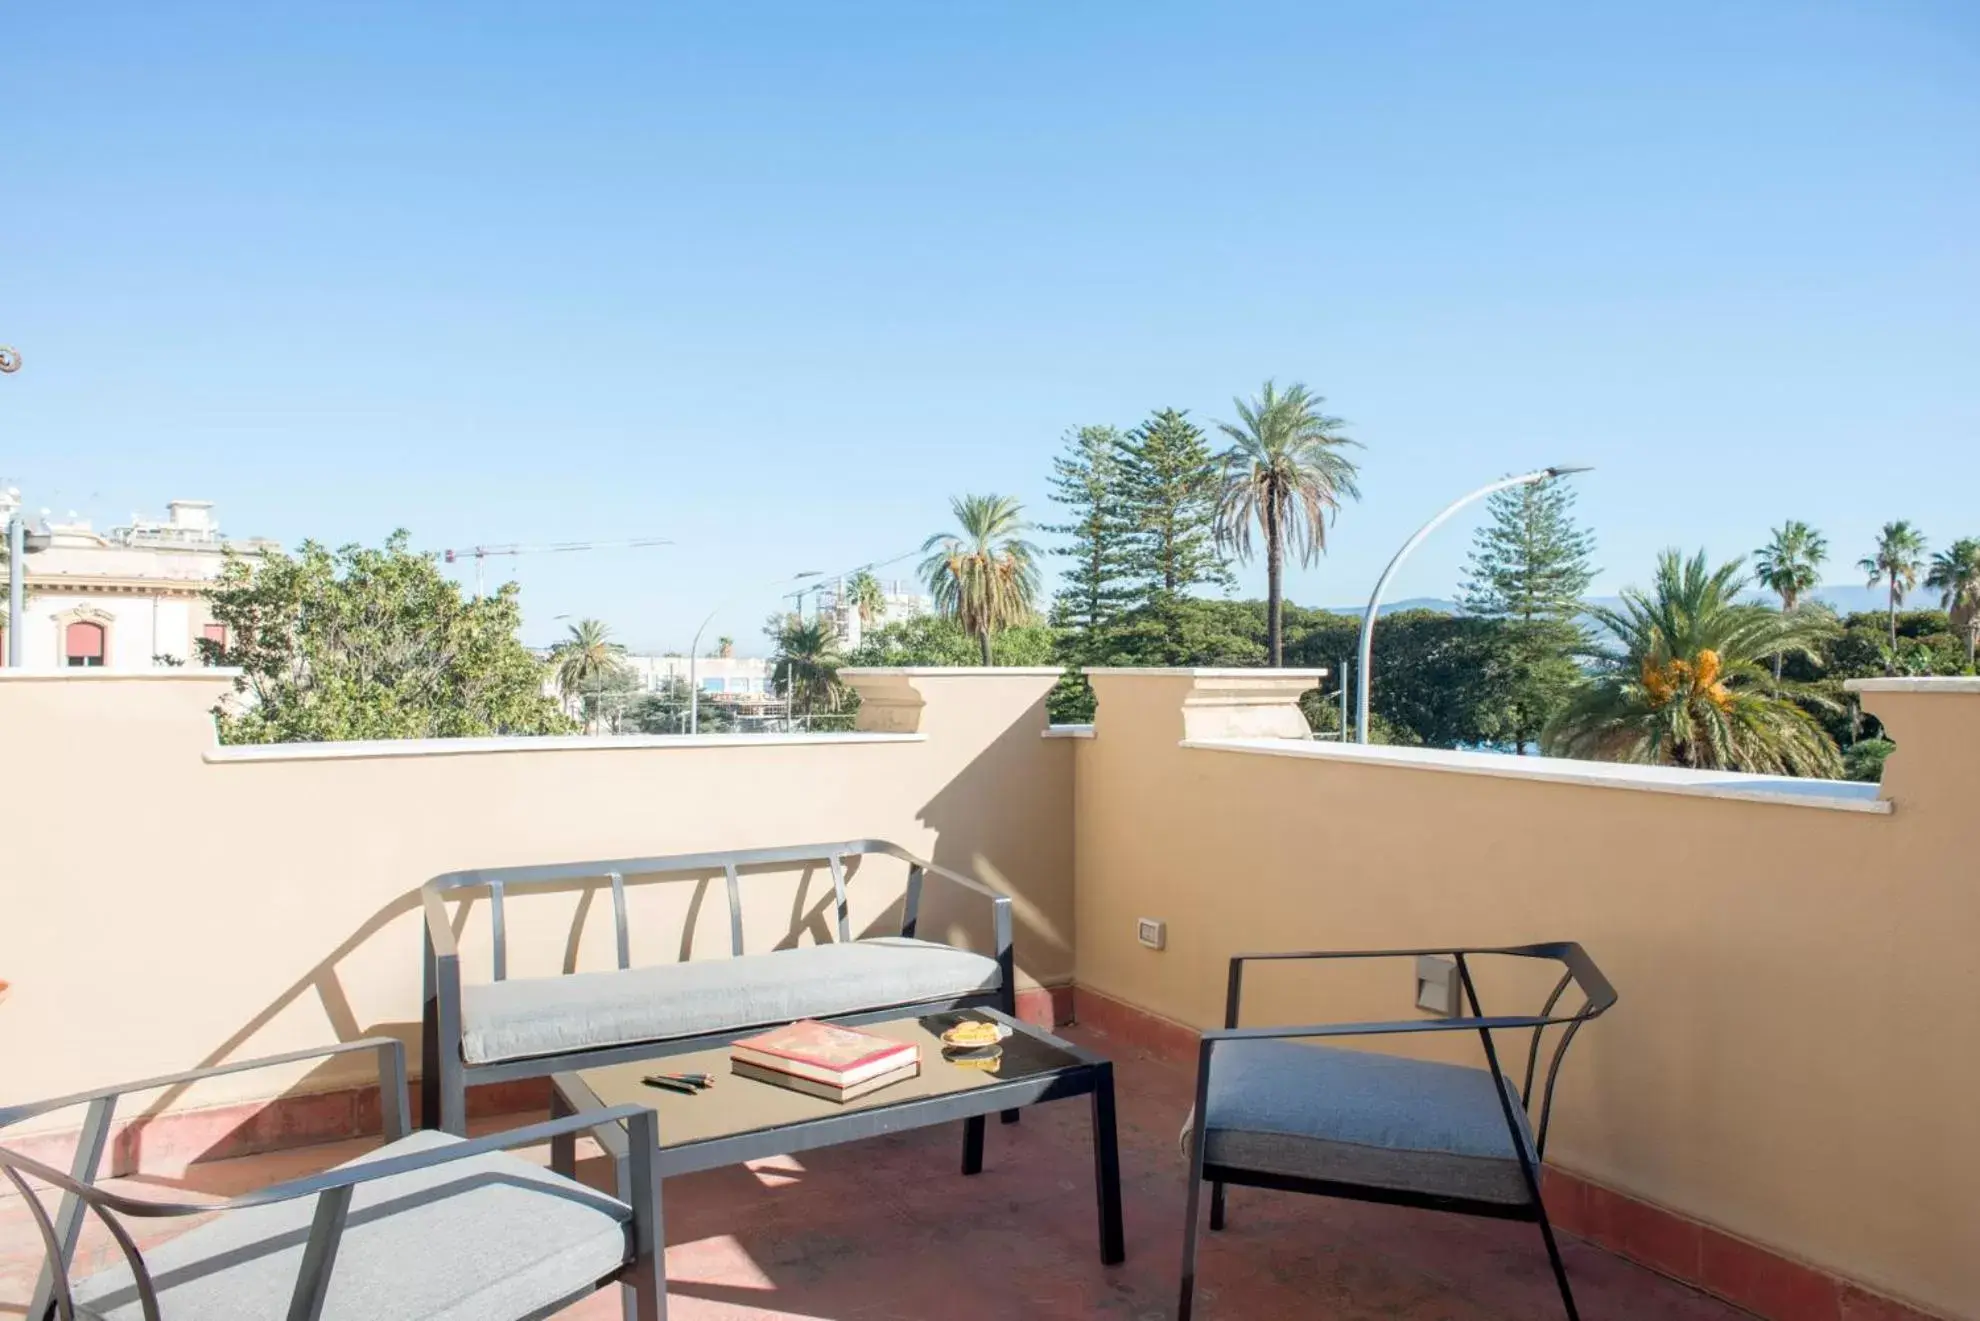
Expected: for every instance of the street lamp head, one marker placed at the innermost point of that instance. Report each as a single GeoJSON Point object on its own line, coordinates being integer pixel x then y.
{"type": "Point", "coordinates": [1563, 470]}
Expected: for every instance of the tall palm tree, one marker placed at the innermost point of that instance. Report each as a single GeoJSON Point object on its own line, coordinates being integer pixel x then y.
{"type": "Point", "coordinates": [987, 577]}
{"type": "Point", "coordinates": [1956, 577]}
{"type": "Point", "coordinates": [1899, 556]}
{"type": "Point", "coordinates": [1684, 680]}
{"type": "Point", "coordinates": [1790, 564]}
{"type": "Point", "coordinates": [1285, 474]}
{"type": "Point", "coordinates": [806, 664]}
{"type": "Point", "coordinates": [864, 591]}
{"type": "Point", "coordinates": [583, 661]}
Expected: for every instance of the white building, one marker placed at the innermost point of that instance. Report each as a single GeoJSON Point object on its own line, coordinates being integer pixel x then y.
{"type": "Point", "coordinates": [132, 598]}
{"type": "Point", "coordinates": [899, 601]}
{"type": "Point", "coordinates": [741, 676]}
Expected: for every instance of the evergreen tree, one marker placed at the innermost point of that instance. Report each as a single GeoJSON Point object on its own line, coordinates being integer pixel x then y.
{"type": "Point", "coordinates": [1086, 480]}
{"type": "Point", "coordinates": [1529, 566]}
{"type": "Point", "coordinates": [1168, 485]}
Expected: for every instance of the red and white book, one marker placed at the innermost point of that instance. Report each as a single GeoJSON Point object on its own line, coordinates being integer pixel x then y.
{"type": "Point", "coordinates": [825, 1053]}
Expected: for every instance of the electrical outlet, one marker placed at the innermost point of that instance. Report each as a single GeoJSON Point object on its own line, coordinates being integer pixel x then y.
{"type": "Point", "coordinates": [1151, 932]}
{"type": "Point", "coordinates": [1437, 986]}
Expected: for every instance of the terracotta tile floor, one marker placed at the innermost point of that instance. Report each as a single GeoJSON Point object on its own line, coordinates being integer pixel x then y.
{"type": "Point", "coordinates": [888, 1230]}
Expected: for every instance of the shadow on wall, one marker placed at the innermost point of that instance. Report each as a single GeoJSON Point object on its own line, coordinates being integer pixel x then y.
{"type": "Point", "coordinates": [1003, 818]}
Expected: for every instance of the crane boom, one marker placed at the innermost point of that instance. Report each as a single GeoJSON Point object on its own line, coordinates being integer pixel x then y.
{"type": "Point", "coordinates": [480, 553]}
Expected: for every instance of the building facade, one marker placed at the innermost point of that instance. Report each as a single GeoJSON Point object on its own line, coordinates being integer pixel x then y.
{"type": "Point", "coordinates": [898, 601]}
{"type": "Point", "coordinates": [131, 598]}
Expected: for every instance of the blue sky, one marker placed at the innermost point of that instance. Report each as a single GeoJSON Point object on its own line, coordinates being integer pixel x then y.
{"type": "Point", "coordinates": [775, 280]}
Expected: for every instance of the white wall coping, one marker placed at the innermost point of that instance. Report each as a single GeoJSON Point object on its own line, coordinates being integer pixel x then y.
{"type": "Point", "coordinates": [1068, 731]}
{"type": "Point", "coordinates": [1834, 795]}
{"type": "Point", "coordinates": [102, 673]}
{"type": "Point", "coordinates": [360, 749]}
{"type": "Point", "coordinates": [960, 671]}
{"type": "Point", "coordinates": [1944, 684]}
{"type": "Point", "coordinates": [1208, 672]}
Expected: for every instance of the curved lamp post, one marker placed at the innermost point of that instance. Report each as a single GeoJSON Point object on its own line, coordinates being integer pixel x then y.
{"type": "Point", "coordinates": [1367, 650]}
{"type": "Point", "coordinates": [694, 648]}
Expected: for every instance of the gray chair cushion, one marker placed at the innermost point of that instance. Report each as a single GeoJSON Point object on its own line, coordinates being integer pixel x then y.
{"type": "Point", "coordinates": [519, 1019]}
{"type": "Point", "coordinates": [1361, 1118]}
{"type": "Point", "coordinates": [481, 1239]}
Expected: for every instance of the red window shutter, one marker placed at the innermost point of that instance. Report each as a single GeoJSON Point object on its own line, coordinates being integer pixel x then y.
{"type": "Point", "coordinates": [85, 641]}
{"type": "Point", "coordinates": [215, 633]}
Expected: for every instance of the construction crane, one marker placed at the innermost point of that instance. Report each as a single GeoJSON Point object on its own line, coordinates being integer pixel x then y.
{"type": "Point", "coordinates": [480, 554]}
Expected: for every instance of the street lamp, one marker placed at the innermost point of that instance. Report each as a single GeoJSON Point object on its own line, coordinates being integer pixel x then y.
{"type": "Point", "coordinates": [694, 648]}
{"type": "Point", "coordinates": [1365, 675]}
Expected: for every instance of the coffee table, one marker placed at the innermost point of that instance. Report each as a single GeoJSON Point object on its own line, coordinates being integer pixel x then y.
{"type": "Point", "coordinates": [740, 1119]}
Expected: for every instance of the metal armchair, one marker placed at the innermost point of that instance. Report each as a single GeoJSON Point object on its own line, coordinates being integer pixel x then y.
{"type": "Point", "coordinates": [429, 1225]}
{"type": "Point", "coordinates": [1273, 1111]}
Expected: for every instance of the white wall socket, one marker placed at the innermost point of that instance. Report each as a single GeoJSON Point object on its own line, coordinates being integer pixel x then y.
{"type": "Point", "coordinates": [1151, 932]}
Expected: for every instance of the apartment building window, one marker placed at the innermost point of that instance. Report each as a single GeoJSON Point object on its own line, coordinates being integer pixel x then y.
{"type": "Point", "coordinates": [215, 633]}
{"type": "Point", "coordinates": [83, 644]}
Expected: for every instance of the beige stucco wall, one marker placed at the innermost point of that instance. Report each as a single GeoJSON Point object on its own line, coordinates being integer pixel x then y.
{"type": "Point", "coordinates": [1795, 1056]}
{"type": "Point", "coordinates": [165, 904]}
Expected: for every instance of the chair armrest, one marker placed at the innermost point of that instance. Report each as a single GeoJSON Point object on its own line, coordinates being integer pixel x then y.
{"type": "Point", "coordinates": [391, 1081]}
{"type": "Point", "coordinates": [1313, 1030]}
{"type": "Point", "coordinates": [1580, 968]}
{"type": "Point", "coordinates": [351, 1176]}
{"type": "Point", "coordinates": [1000, 903]}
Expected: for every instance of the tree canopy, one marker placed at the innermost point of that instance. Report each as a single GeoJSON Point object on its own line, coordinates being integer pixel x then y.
{"type": "Point", "coordinates": [371, 643]}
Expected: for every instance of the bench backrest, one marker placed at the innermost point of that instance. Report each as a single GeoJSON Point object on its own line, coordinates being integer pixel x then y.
{"type": "Point", "coordinates": [499, 882]}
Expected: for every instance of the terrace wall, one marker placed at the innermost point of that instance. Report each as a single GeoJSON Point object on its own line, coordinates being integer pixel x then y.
{"type": "Point", "coordinates": [1794, 1058]}
{"type": "Point", "coordinates": [165, 902]}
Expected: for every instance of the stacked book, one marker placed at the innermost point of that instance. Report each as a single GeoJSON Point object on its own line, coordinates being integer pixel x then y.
{"type": "Point", "coordinates": [824, 1059]}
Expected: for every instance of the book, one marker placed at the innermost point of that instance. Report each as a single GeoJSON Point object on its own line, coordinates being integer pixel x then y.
{"type": "Point", "coordinates": [826, 1053]}
{"type": "Point", "coordinates": [827, 1091]}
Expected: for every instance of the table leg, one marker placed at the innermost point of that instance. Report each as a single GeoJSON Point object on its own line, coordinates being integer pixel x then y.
{"type": "Point", "coordinates": [1107, 1167]}
{"type": "Point", "coordinates": [973, 1145]}
{"type": "Point", "coordinates": [563, 1147]}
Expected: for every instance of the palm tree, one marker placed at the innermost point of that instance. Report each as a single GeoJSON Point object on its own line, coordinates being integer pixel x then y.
{"type": "Point", "coordinates": [986, 578]}
{"type": "Point", "coordinates": [806, 664]}
{"type": "Point", "coordinates": [1899, 556]}
{"type": "Point", "coordinates": [1790, 564]}
{"type": "Point", "coordinates": [583, 662]}
{"type": "Point", "coordinates": [1956, 577]}
{"type": "Point", "coordinates": [1685, 681]}
{"type": "Point", "coordinates": [863, 590]}
{"type": "Point", "coordinates": [1286, 474]}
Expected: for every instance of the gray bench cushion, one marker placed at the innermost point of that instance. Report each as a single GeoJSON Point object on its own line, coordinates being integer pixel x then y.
{"type": "Point", "coordinates": [480, 1239]}
{"type": "Point", "coordinates": [519, 1019]}
{"type": "Point", "coordinates": [1357, 1117]}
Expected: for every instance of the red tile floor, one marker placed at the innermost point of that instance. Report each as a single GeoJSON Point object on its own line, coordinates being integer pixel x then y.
{"type": "Point", "coordinates": [888, 1230]}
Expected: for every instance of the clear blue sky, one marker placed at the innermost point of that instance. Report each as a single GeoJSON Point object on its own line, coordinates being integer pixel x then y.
{"type": "Point", "coordinates": [775, 280]}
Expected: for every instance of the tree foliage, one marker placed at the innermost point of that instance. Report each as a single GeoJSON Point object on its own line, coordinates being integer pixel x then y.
{"type": "Point", "coordinates": [1684, 680]}
{"type": "Point", "coordinates": [806, 662]}
{"type": "Point", "coordinates": [1529, 567]}
{"type": "Point", "coordinates": [986, 577]}
{"type": "Point", "coordinates": [1285, 474]}
{"type": "Point", "coordinates": [1896, 562]}
{"type": "Point", "coordinates": [1168, 481]}
{"type": "Point", "coordinates": [370, 643]}
{"type": "Point", "coordinates": [1790, 564]}
{"type": "Point", "coordinates": [587, 665]}
{"type": "Point", "coordinates": [1087, 482]}
{"type": "Point", "coordinates": [940, 640]}
{"type": "Point", "coordinates": [1955, 575]}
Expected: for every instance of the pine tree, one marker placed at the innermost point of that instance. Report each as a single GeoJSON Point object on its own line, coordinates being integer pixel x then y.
{"type": "Point", "coordinates": [1086, 480]}
{"type": "Point", "coordinates": [1529, 566]}
{"type": "Point", "coordinates": [1169, 488]}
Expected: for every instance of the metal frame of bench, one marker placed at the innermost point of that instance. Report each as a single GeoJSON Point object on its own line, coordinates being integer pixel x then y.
{"type": "Point", "coordinates": [445, 1072]}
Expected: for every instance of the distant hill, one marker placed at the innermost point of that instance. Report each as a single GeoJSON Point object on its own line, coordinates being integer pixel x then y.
{"type": "Point", "coordinates": [1845, 598]}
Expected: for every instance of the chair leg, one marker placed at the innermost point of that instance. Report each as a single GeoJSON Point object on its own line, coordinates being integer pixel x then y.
{"type": "Point", "coordinates": [1560, 1270]}
{"type": "Point", "coordinates": [1216, 1206]}
{"type": "Point", "coordinates": [1188, 1299]}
